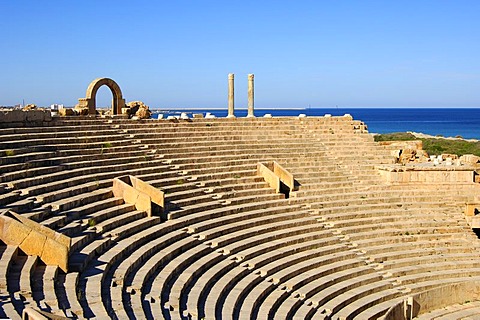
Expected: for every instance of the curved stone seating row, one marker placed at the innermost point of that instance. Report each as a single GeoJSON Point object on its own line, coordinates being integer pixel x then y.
{"type": "Point", "coordinates": [232, 243]}
{"type": "Point", "coordinates": [201, 216]}
{"type": "Point", "coordinates": [466, 310]}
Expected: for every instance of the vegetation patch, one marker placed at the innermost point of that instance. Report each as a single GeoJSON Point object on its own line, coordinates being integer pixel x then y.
{"type": "Point", "coordinates": [91, 222]}
{"type": "Point", "coordinates": [9, 153]}
{"type": "Point", "coordinates": [436, 146]}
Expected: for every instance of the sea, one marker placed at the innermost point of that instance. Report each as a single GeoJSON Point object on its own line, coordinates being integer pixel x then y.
{"type": "Point", "coordinates": [446, 122]}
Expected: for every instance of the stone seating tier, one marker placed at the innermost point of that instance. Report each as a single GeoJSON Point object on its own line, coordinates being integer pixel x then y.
{"type": "Point", "coordinates": [229, 234]}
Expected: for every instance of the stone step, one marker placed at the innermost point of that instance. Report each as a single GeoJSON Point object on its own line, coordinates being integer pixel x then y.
{"type": "Point", "coordinates": [85, 141]}
{"type": "Point", "coordinates": [215, 204]}
{"type": "Point", "coordinates": [119, 220]}
{"type": "Point", "coordinates": [77, 214]}
{"type": "Point", "coordinates": [229, 278]}
{"type": "Point", "coordinates": [21, 174]}
{"type": "Point", "coordinates": [79, 260]}
{"type": "Point", "coordinates": [225, 195]}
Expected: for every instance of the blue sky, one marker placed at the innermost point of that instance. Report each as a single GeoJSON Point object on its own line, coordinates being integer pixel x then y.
{"type": "Point", "coordinates": [303, 53]}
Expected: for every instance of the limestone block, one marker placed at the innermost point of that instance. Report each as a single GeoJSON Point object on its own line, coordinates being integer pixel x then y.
{"type": "Point", "coordinates": [137, 198]}
{"type": "Point", "coordinates": [29, 223]}
{"type": "Point", "coordinates": [14, 116]}
{"type": "Point", "coordinates": [35, 239]}
{"type": "Point", "coordinates": [13, 232]}
{"type": "Point", "coordinates": [66, 112]}
{"type": "Point", "coordinates": [47, 115]}
{"type": "Point", "coordinates": [55, 253]}
{"type": "Point", "coordinates": [32, 314]}
{"type": "Point", "coordinates": [156, 195]}
{"type": "Point", "coordinates": [138, 193]}
{"type": "Point", "coordinates": [470, 159]}
{"type": "Point", "coordinates": [139, 109]}
{"type": "Point", "coordinates": [270, 177]}
{"type": "Point", "coordinates": [35, 115]}
{"type": "Point", "coordinates": [81, 111]}
{"type": "Point", "coordinates": [33, 243]}
{"type": "Point", "coordinates": [285, 176]}
{"type": "Point", "coordinates": [471, 208]}
{"type": "Point", "coordinates": [29, 107]}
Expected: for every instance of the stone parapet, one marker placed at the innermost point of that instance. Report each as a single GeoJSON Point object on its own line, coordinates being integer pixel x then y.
{"type": "Point", "coordinates": [35, 239]}
{"type": "Point", "coordinates": [144, 196]}
{"type": "Point", "coordinates": [18, 118]}
{"type": "Point", "coordinates": [277, 177]}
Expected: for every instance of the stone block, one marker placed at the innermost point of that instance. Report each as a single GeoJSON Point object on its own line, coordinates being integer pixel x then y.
{"type": "Point", "coordinates": [13, 232]}
{"type": "Point", "coordinates": [285, 176]}
{"type": "Point", "coordinates": [156, 195]}
{"type": "Point", "coordinates": [35, 115]}
{"type": "Point", "coordinates": [35, 239]}
{"type": "Point", "coordinates": [66, 112]}
{"type": "Point", "coordinates": [470, 159]}
{"type": "Point", "coordinates": [63, 239]}
{"type": "Point", "coordinates": [33, 244]}
{"type": "Point", "coordinates": [270, 177]}
{"type": "Point", "coordinates": [54, 253]}
{"type": "Point", "coordinates": [139, 193]}
{"type": "Point", "coordinates": [14, 116]}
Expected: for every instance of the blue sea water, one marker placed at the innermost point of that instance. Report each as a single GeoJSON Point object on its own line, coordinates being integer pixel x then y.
{"type": "Point", "coordinates": [447, 122]}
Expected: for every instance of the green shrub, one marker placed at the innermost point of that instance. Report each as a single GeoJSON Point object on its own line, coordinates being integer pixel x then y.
{"type": "Point", "coordinates": [396, 136]}
{"type": "Point", "coordinates": [435, 146]}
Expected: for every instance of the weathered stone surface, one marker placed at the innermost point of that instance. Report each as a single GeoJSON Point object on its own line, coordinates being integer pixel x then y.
{"type": "Point", "coordinates": [35, 115]}
{"type": "Point", "coordinates": [470, 159]}
{"type": "Point", "coordinates": [33, 244]}
{"type": "Point", "coordinates": [35, 239]}
{"type": "Point", "coordinates": [14, 116]}
{"type": "Point", "coordinates": [29, 107]}
{"type": "Point", "coordinates": [63, 239]}
{"type": "Point", "coordinates": [13, 232]}
{"type": "Point", "coordinates": [81, 111]}
{"type": "Point", "coordinates": [54, 253]}
{"type": "Point", "coordinates": [445, 156]}
{"type": "Point", "coordinates": [139, 109]}
{"type": "Point", "coordinates": [66, 112]}
{"type": "Point", "coordinates": [138, 193]}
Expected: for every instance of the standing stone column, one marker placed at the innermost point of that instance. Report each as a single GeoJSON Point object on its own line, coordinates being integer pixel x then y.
{"type": "Point", "coordinates": [250, 96]}
{"type": "Point", "coordinates": [231, 96]}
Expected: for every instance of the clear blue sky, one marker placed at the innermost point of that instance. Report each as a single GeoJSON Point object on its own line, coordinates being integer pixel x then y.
{"type": "Point", "coordinates": [414, 53]}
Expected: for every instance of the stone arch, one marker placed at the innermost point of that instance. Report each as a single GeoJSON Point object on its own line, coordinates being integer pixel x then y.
{"type": "Point", "coordinates": [90, 99]}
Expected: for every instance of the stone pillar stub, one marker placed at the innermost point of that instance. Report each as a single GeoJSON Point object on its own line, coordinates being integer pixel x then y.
{"type": "Point", "coordinates": [250, 96]}
{"type": "Point", "coordinates": [231, 96]}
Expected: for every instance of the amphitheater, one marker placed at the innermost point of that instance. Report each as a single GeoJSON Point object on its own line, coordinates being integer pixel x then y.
{"type": "Point", "coordinates": [238, 218]}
